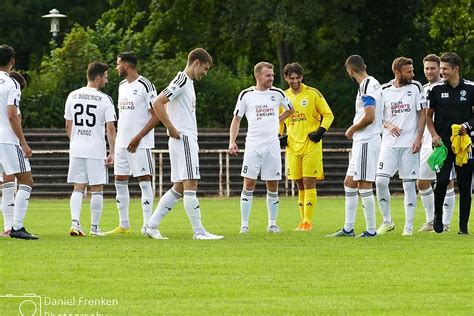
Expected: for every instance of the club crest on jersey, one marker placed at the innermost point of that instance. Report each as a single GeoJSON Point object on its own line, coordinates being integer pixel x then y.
{"type": "Point", "coordinates": [304, 103]}
{"type": "Point", "coordinates": [273, 98]}
{"type": "Point", "coordinates": [135, 92]}
{"type": "Point", "coordinates": [463, 95]}
{"type": "Point", "coordinates": [444, 95]}
{"type": "Point", "coordinates": [409, 93]}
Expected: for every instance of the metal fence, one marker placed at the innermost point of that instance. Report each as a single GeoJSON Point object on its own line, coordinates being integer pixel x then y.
{"type": "Point", "coordinates": [224, 168]}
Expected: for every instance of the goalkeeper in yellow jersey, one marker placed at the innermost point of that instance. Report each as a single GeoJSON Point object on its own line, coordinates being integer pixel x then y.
{"type": "Point", "coordinates": [304, 131]}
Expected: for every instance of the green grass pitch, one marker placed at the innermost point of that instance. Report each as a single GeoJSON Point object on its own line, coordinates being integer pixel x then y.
{"type": "Point", "coordinates": [289, 273]}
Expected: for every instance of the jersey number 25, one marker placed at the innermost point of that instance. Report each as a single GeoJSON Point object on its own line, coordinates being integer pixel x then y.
{"type": "Point", "coordinates": [78, 115]}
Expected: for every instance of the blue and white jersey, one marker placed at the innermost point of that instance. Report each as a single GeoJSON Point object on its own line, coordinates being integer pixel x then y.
{"type": "Point", "coordinates": [369, 94]}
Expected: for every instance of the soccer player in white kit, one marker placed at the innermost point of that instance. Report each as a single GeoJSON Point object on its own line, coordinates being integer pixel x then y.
{"type": "Point", "coordinates": [14, 150]}
{"type": "Point", "coordinates": [431, 68]}
{"type": "Point", "coordinates": [176, 108]}
{"type": "Point", "coordinates": [88, 112]}
{"type": "Point", "coordinates": [260, 104]}
{"type": "Point", "coordinates": [135, 139]}
{"type": "Point", "coordinates": [365, 133]}
{"type": "Point", "coordinates": [7, 182]}
{"type": "Point", "coordinates": [404, 123]}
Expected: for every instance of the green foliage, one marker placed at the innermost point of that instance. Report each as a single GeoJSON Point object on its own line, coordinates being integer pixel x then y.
{"type": "Point", "coordinates": [453, 24]}
{"type": "Point", "coordinates": [218, 92]}
{"type": "Point", "coordinates": [25, 30]}
{"type": "Point", "coordinates": [239, 34]}
{"type": "Point", "coordinates": [59, 74]}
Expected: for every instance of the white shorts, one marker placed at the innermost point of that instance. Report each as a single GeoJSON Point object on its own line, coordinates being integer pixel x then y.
{"type": "Point", "coordinates": [425, 171]}
{"type": "Point", "coordinates": [363, 160]}
{"type": "Point", "coordinates": [265, 160]}
{"type": "Point", "coordinates": [13, 160]}
{"type": "Point", "coordinates": [139, 163]}
{"type": "Point", "coordinates": [87, 170]}
{"type": "Point", "coordinates": [401, 159]}
{"type": "Point", "coordinates": [184, 158]}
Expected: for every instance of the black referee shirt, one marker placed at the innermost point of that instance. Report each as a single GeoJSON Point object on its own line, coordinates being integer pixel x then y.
{"type": "Point", "coordinates": [452, 106]}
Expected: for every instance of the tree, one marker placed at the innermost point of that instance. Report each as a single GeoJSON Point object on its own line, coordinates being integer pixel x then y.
{"type": "Point", "coordinates": [59, 74]}
{"type": "Point", "coordinates": [25, 30]}
{"type": "Point", "coordinates": [318, 34]}
{"type": "Point", "coordinates": [452, 23]}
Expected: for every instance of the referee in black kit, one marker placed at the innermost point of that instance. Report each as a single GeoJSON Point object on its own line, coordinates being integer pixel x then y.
{"type": "Point", "coordinates": [451, 102]}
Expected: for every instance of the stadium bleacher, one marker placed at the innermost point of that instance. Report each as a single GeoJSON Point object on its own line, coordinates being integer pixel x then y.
{"type": "Point", "coordinates": [50, 164]}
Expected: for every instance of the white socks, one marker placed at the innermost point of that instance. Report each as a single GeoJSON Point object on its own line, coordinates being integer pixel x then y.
{"type": "Point", "coordinates": [368, 204]}
{"type": "Point", "coordinates": [166, 203]}
{"type": "Point", "coordinates": [147, 200]}
{"type": "Point", "coordinates": [193, 210]}
{"type": "Point", "coordinates": [383, 197]}
{"type": "Point", "coordinates": [75, 204]}
{"type": "Point", "coordinates": [246, 198]}
{"type": "Point", "coordinates": [427, 199]}
{"type": "Point", "coordinates": [123, 202]}
{"type": "Point", "coordinates": [352, 199]}
{"type": "Point", "coordinates": [448, 206]}
{"type": "Point", "coordinates": [272, 202]}
{"type": "Point", "coordinates": [21, 205]}
{"type": "Point", "coordinates": [272, 207]}
{"type": "Point", "coordinates": [97, 203]}
{"type": "Point", "coordinates": [409, 200]}
{"type": "Point", "coordinates": [8, 203]}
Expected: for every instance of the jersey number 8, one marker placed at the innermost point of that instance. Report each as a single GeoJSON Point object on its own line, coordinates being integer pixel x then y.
{"type": "Point", "coordinates": [79, 110]}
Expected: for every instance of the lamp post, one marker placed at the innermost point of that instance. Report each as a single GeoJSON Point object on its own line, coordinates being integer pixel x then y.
{"type": "Point", "coordinates": [54, 15]}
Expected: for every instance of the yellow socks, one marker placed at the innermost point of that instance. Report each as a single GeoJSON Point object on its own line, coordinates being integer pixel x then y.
{"type": "Point", "coordinates": [309, 205]}
{"type": "Point", "coordinates": [301, 204]}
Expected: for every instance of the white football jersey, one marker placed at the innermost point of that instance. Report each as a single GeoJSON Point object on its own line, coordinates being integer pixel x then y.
{"type": "Point", "coordinates": [135, 100]}
{"type": "Point", "coordinates": [369, 87]}
{"type": "Point", "coordinates": [182, 106]}
{"type": "Point", "coordinates": [427, 139]}
{"type": "Point", "coordinates": [88, 109]}
{"type": "Point", "coordinates": [400, 109]}
{"type": "Point", "coordinates": [10, 94]}
{"type": "Point", "coordinates": [262, 110]}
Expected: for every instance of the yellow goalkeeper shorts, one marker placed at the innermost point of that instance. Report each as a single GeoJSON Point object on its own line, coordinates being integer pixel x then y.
{"type": "Point", "coordinates": [309, 164]}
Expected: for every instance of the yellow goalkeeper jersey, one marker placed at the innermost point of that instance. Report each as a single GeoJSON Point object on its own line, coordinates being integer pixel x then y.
{"type": "Point", "coordinates": [311, 112]}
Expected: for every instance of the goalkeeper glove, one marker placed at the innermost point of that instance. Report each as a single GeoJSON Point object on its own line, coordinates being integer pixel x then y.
{"type": "Point", "coordinates": [317, 135]}
{"type": "Point", "coordinates": [283, 140]}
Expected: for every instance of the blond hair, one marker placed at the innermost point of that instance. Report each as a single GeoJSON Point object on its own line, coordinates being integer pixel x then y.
{"type": "Point", "coordinates": [263, 64]}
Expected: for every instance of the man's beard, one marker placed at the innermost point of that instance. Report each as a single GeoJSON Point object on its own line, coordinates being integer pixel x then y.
{"type": "Point", "coordinates": [404, 81]}
{"type": "Point", "coordinates": [354, 80]}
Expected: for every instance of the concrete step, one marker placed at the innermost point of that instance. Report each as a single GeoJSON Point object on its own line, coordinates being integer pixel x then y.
{"type": "Point", "coordinates": [50, 170]}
